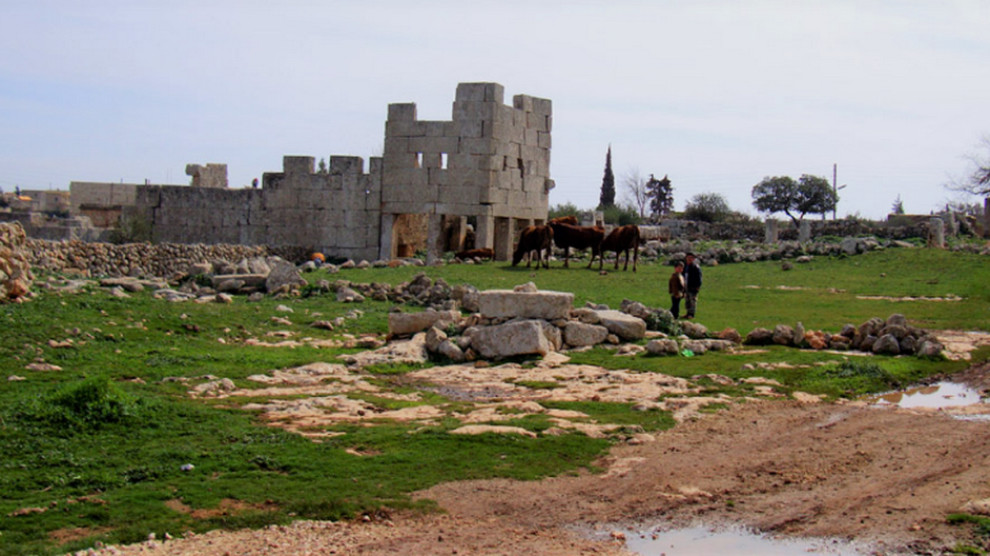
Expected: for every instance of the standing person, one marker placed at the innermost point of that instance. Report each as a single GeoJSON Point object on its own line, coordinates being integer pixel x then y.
{"type": "Point", "coordinates": [676, 287]}
{"type": "Point", "coordinates": [692, 279]}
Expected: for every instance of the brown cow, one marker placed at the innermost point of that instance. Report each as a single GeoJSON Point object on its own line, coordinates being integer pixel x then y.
{"type": "Point", "coordinates": [621, 239]}
{"type": "Point", "coordinates": [534, 238]}
{"type": "Point", "coordinates": [567, 236]}
{"type": "Point", "coordinates": [569, 219]}
{"type": "Point", "coordinates": [482, 253]}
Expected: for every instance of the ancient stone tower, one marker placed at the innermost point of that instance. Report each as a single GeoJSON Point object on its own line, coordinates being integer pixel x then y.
{"type": "Point", "coordinates": [489, 166]}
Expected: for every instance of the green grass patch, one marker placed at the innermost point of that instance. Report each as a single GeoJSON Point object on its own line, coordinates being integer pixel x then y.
{"type": "Point", "coordinates": [102, 444]}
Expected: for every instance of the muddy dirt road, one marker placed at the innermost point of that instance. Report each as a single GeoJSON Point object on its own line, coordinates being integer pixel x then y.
{"type": "Point", "coordinates": [886, 476]}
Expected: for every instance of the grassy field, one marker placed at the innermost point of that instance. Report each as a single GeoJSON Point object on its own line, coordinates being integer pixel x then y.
{"type": "Point", "coordinates": [96, 450]}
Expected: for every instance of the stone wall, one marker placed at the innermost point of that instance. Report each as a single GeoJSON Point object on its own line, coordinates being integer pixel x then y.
{"type": "Point", "coordinates": [15, 267]}
{"type": "Point", "coordinates": [489, 166]}
{"type": "Point", "coordinates": [162, 260]}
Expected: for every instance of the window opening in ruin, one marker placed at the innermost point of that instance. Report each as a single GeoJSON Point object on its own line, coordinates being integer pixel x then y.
{"type": "Point", "coordinates": [419, 160]}
{"type": "Point", "coordinates": [522, 168]}
{"type": "Point", "coordinates": [443, 161]}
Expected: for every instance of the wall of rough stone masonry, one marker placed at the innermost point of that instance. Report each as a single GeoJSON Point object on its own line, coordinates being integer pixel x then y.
{"type": "Point", "coordinates": [101, 202]}
{"type": "Point", "coordinates": [336, 212]}
{"type": "Point", "coordinates": [208, 175]}
{"type": "Point", "coordinates": [490, 161]}
{"type": "Point", "coordinates": [163, 260]}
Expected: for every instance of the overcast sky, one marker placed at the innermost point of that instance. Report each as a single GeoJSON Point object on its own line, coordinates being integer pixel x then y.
{"type": "Point", "coordinates": [717, 95]}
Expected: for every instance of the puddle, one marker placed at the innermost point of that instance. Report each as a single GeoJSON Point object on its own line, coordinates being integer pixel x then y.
{"type": "Point", "coordinates": [704, 541]}
{"type": "Point", "coordinates": [936, 396]}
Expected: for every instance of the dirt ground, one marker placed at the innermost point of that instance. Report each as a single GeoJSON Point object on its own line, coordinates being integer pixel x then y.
{"type": "Point", "coordinates": [883, 476]}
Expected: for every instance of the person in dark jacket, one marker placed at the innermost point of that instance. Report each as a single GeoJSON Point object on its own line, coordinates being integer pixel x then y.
{"type": "Point", "coordinates": [692, 279]}
{"type": "Point", "coordinates": [676, 288]}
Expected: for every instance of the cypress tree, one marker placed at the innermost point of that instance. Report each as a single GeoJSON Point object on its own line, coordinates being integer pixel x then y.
{"type": "Point", "coordinates": [607, 198]}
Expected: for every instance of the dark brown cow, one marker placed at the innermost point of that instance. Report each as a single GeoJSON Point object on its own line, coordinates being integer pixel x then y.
{"type": "Point", "coordinates": [567, 236]}
{"type": "Point", "coordinates": [569, 219]}
{"type": "Point", "coordinates": [482, 253]}
{"type": "Point", "coordinates": [534, 238]}
{"type": "Point", "coordinates": [621, 239]}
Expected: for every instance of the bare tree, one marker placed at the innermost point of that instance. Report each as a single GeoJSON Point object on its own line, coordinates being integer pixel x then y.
{"type": "Point", "coordinates": [636, 193]}
{"type": "Point", "coordinates": [977, 179]}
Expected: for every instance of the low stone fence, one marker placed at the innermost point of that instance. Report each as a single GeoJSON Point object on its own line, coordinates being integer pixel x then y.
{"type": "Point", "coordinates": [161, 260]}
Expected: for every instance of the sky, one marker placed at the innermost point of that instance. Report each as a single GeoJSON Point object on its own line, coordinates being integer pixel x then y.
{"type": "Point", "coordinates": [715, 94]}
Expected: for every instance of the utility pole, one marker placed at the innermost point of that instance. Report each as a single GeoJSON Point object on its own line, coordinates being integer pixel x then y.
{"type": "Point", "coordinates": [835, 189]}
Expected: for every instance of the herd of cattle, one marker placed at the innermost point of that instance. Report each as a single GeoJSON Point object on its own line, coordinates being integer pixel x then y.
{"type": "Point", "coordinates": [537, 241]}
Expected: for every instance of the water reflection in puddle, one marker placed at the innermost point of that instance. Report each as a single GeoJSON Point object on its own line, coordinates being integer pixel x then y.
{"type": "Point", "coordinates": [703, 541]}
{"type": "Point", "coordinates": [936, 396]}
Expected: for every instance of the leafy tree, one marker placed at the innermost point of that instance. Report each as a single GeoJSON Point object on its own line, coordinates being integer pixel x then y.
{"type": "Point", "coordinates": [621, 215]}
{"type": "Point", "coordinates": [661, 195]}
{"type": "Point", "coordinates": [322, 168]}
{"type": "Point", "coordinates": [559, 210]}
{"type": "Point", "coordinates": [607, 198]}
{"type": "Point", "coordinates": [810, 194]}
{"type": "Point", "coordinates": [707, 207]}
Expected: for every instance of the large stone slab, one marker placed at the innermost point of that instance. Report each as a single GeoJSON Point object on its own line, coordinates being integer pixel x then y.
{"type": "Point", "coordinates": [403, 324]}
{"type": "Point", "coordinates": [622, 325]}
{"type": "Point", "coordinates": [547, 305]}
{"type": "Point", "coordinates": [522, 337]}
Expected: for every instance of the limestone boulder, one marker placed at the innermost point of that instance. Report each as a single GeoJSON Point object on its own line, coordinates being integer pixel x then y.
{"type": "Point", "coordinates": [694, 330]}
{"type": "Point", "coordinates": [730, 334]}
{"type": "Point", "coordinates": [284, 277]}
{"type": "Point", "coordinates": [404, 324]}
{"type": "Point", "coordinates": [579, 334]}
{"type": "Point", "coordinates": [252, 281]}
{"type": "Point", "coordinates": [886, 344]}
{"type": "Point", "coordinates": [546, 305]}
{"type": "Point", "coordinates": [759, 337]}
{"type": "Point", "coordinates": [622, 325]}
{"type": "Point", "coordinates": [783, 335]}
{"type": "Point", "coordinates": [663, 346]}
{"type": "Point", "coordinates": [520, 337]}
{"type": "Point", "coordinates": [451, 351]}
{"type": "Point", "coordinates": [635, 308]}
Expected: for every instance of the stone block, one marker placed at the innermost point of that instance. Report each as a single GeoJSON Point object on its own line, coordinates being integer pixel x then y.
{"type": "Point", "coordinates": [405, 111]}
{"type": "Point", "coordinates": [523, 337]}
{"type": "Point", "coordinates": [436, 128]}
{"type": "Point", "coordinates": [547, 305]}
{"type": "Point", "coordinates": [622, 325]}
{"type": "Point", "coordinates": [578, 334]}
{"type": "Point", "coordinates": [542, 106]}
{"type": "Point", "coordinates": [536, 122]}
{"type": "Point", "coordinates": [543, 140]}
{"type": "Point", "coordinates": [523, 102]}
{"type": "Point", "coordinates": [480, 145]}
{"type": "Point", "coordinates": [467, 128]}
{"type": "Point", "coordinates": [453, 194]}
{"type": "Point", "coordinates": [663, 346]}
{"type": "Point", "coordinates": [402, 324]}
{"type": "Point", "coordinates": [531, 137]}
{"type": "Point", "coordinates": [491, 92]}
{"type": "Point", "coordinates": [404, 129]}
{"type": "Point", "coordinates": [470, 110]}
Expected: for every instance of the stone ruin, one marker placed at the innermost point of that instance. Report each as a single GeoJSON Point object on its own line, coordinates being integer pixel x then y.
{"type": "Point", "coordinates": [472, 181]}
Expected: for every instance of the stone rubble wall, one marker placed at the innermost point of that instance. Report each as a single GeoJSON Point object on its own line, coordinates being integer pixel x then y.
{"type": "Point", "coordinates": [163, 260]}
{"type": "Point", "coordinates": [15, 267]}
